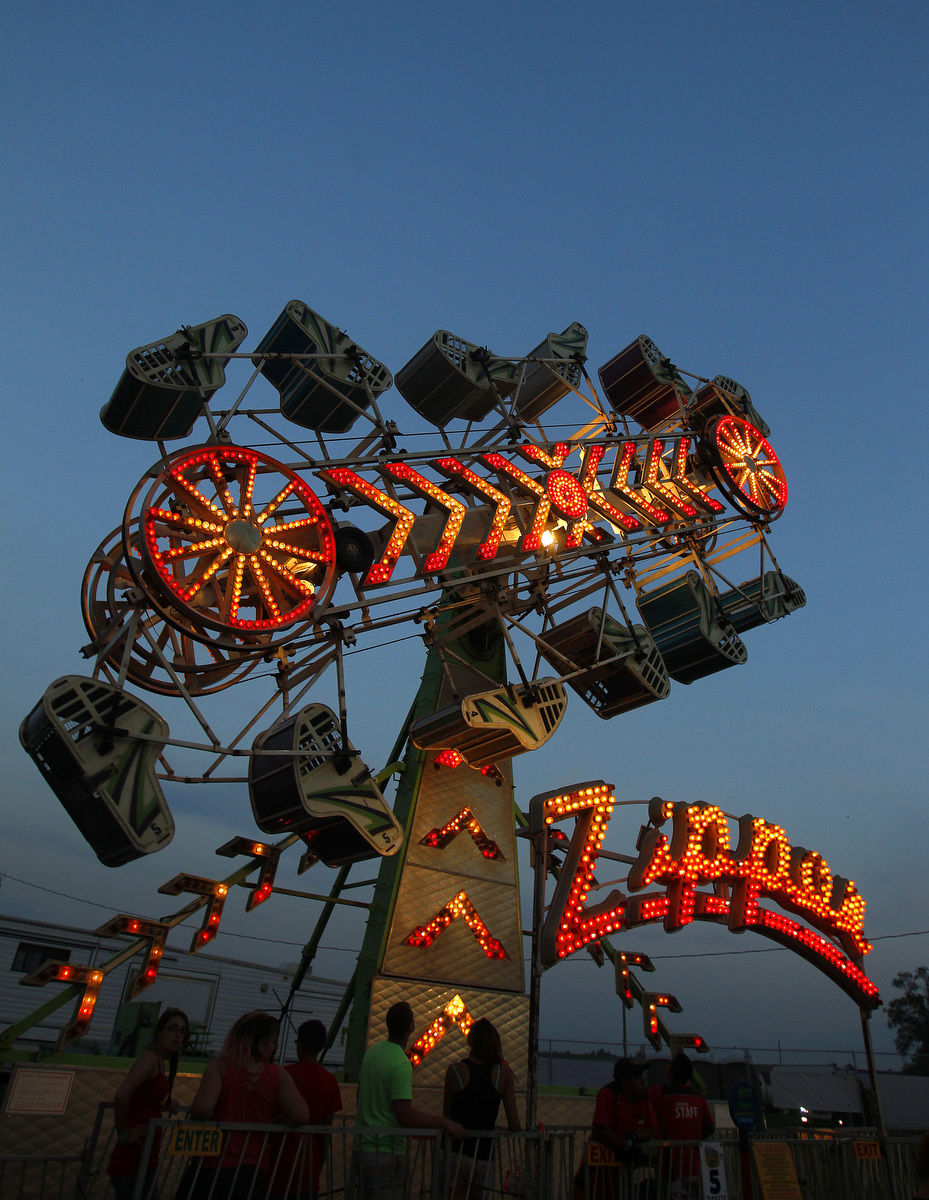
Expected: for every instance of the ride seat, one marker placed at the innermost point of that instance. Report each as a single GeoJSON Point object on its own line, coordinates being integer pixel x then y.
{"type": "Point", "coordinates": [81, 737]}
{"type": "Point", "coordinates": [545, 383]}
{"type": "Point", "coordinates": [628, 672]}
{"type": "Point", "coordinates": [303, 779]}
{"type": "Point", "coordinates": [166, 383]}
{"type": "Point", "coordinates": [693, 638]}
{"type": "Point", "coordinates": [724, 396]}
{"type": "Point", "coordinates": [761, 600]}
{"type": "Point", "coordinates": [641, 383]}
{"type": "Point", "coordinates": [325, 394]}
{"type": "Point", "coordinates": [450, 378]}
{"type": "Point", "coordinates": [490, 727]}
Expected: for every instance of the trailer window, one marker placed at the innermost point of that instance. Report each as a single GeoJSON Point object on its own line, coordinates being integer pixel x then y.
{"type": "Point", "coordinates": [30, 955]}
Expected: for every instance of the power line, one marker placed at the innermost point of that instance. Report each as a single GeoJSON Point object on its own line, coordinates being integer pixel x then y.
{"type": "Point", "coordinates": [52, 892]}
{"type": "Point", "coordinates": [883, 937]}
{"type": "Point", "coordinates": [109, 908]}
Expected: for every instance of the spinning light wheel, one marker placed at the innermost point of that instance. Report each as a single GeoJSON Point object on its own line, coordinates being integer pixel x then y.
{"type": "Point", "coordinates": [156, 653]}
{"type": "Point", "coordinates": [745, 466]}
{"type": "Point", "coordinates": [233, 540]}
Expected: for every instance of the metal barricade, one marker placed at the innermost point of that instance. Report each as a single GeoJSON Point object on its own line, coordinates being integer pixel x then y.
{"type": "Point", "coordinates": [193, 1160]}
{"type": "Point", "coordinates": [834, 1168]}
{"type": "Point", "coordinates": [271, 1162]}
{"type": "Point", "coordinates": [499, 1165]}
{"type": "Point", "coordinates": [654, 1170]}
{"type": "Point", "coordinates": [38, 1177]}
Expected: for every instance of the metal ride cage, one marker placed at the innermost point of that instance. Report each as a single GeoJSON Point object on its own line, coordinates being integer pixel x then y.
{"type": "Point", "coordinates": [228, 568]}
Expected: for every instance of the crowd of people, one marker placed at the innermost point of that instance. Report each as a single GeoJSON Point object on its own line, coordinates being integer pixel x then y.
{"type": "Point", "coordinates": [243, 1085]}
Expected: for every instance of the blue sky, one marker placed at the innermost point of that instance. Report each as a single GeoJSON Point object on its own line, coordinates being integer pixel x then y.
{"type": "Point", "coordinates": [744, 183]}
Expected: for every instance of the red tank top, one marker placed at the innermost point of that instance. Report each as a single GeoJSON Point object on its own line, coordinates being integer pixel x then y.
{"type": "Point", "coordinates": [246, 1101]}
{"type": "Point", "coordinates": [144, 1106]}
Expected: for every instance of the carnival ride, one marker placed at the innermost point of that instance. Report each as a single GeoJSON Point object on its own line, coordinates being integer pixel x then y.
{"type": "Point", "coordinates": [535, 564]}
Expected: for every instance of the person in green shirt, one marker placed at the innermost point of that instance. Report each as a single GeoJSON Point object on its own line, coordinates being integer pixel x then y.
{"type": "Point", "coordinates": [385, 1101]}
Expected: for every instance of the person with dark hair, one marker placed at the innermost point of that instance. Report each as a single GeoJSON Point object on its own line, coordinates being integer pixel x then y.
{"type": "Point", "coordinates": [623, 1119]}
{"type": "Point", "coordinates": [385, 1100]}
{"type": "Point", "coordinates": [683, 1116]}
{"type": "Point", "coordinates": [242, 1085]}
{"type": "Point", "coordinates": [143, 1096]}
{"type": "Point", "coordinates": [297, 1168]}
{"type": "Point", "coordinates": [474, 1088]}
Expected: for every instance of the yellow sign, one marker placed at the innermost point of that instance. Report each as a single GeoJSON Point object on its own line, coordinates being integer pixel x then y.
{"type": "Point", "coordinates": [867, 1149]}
{"type": "Point", "coordinates": [206, 1140]}
{"type": "Point", "coordinates": [600, 1156]}
{"type": "Point", "coordinates": [776, 1172]}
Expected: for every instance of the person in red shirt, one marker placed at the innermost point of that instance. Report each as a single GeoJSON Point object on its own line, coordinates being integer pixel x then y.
{"type": "Point", "coordinates": [683, 1116]}
{"type": "Point", "coordinates": [242, 1086]}
{"type": "Point", "coordinates": [301, 1160]}
{"type": "Point", "coordinates": [143, 1096]}
{"type": "Point", "coordinates": [623, 1118]}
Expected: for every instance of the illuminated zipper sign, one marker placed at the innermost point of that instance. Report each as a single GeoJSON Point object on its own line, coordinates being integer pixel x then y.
{"type": "Point", "coordinates": [762, 864]}
{"type": "Point", "coordinates": [699, 852]}
{"type": "Point", "coordinates": [667, 485]}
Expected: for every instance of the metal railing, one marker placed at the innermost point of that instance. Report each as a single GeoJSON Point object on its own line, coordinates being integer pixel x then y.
{"type": "Point", "coordinates": [39, 1177]}
{"type": "Point", "coordinates": [261, 1162]}
{"type": "Point", "coordinates": [269, 1162]}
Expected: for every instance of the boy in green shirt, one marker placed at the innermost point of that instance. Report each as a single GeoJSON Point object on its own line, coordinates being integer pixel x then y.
{"type": "Point", "coordinates": [385, 1100]}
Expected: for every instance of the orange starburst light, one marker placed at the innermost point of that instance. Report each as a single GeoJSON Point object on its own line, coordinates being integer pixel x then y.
{"type": "Point", "coordinates": [746, 467]}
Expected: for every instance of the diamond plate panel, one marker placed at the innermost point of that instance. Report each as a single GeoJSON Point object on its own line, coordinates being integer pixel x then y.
{"type": "Point", "coordinates": [455, 956]}
{"type": "Point", "coordinates": [52, 1135]}
{"type": "Point", "coordinates": [509, 1013]}
{"type": "Point", "coordinates": [433, 876]}
{"type": "Point", "coordinates": [443, 793]}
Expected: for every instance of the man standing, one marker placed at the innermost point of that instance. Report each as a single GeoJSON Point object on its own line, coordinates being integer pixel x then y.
{"type": "Point", "coordinates": [385, 1100]}
{"type": "Point", "coordinates": [623, 1118]}
{"type": "Point", "coordinates": [301, 1160]}
{"type": "Point", "coordinates": [683, 1116]}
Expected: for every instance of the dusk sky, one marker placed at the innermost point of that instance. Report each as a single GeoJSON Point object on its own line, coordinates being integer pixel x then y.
{"type": "Point", "coordinates": [744, 183]}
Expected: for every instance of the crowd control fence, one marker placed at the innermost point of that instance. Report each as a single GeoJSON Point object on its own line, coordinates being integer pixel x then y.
{"type": "Point", "coordinates": [186, 1160]}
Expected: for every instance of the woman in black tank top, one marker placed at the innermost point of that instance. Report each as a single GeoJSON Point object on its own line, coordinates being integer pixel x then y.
{"type": "Point", "coordinates": [474, 1088]}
